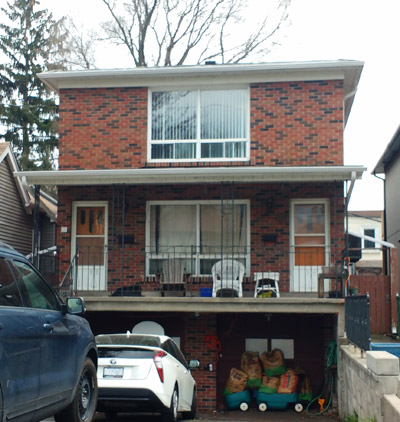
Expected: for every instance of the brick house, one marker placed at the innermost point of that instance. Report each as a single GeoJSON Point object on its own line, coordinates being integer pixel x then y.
{"type": "Point", "coordinates": [189, 166]}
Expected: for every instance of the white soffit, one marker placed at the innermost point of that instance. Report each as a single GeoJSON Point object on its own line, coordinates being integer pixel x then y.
{"type": "Point", "coordinates": [162, 176]}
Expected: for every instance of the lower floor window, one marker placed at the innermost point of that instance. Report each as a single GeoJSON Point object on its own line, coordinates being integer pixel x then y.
{"type": "Point", "coordinates": [199, 233]}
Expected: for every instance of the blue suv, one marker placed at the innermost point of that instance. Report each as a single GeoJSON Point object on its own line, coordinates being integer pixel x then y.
{"type": "Point", "coordinates": [48, 355]}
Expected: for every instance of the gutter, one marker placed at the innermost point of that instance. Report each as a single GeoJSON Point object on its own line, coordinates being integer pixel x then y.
{"type": "Point", "coordinates": [351, 187]}
{"type": "Point", "coordinates": [185, 175]}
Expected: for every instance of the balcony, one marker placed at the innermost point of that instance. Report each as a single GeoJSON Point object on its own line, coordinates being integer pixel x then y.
{"type": "Point", "coordinates": [186, 273]}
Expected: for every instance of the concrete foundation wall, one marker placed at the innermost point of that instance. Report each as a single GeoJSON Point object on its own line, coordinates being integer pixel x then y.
{"type": "Point", "coordinates": [368, 384]}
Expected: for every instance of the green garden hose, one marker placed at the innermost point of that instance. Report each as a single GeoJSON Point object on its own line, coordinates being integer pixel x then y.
{"type": "Point", "coordinates": [331, 361]}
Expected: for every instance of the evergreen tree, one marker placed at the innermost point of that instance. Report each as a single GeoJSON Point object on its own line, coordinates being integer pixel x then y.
{"type": "Point", "coordinates": [32, 43]}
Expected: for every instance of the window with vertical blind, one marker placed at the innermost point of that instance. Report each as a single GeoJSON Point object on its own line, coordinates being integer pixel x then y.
{"type": "Point", "coordinates": [199, 125]}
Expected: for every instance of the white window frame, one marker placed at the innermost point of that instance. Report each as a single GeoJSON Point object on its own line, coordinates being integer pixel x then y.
{"type": "Point", "coordinates": [364, 248]}
{"type": "Point", "coordinates": [198, 255]}
{"type": "Point", "coordinates": [197, 141]}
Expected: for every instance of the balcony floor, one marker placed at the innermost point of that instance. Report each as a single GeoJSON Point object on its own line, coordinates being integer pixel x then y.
{"type": "Point", "coordinates": [287, 303]}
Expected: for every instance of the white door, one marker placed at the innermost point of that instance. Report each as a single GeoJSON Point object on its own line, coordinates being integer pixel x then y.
{"type": "Point", "coordinates": [90, 242]}
{"type": "Point", "coordinates": [309, 243]}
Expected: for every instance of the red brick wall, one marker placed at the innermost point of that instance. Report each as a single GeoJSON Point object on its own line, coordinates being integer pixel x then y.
{"type": "Point", "coordinates": [103, 128]}
{"type": "Point", "coordinates": [292, 123]}
{"type": "Point", "coordinates": [297, 123]}
{"type": "Point", "coordinates": [199, 343]}
{"type": "Point", "coordinates": [269, 211]}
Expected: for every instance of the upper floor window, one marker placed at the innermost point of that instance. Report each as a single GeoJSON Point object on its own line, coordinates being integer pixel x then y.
{"type": "Point", "coordinates": [199, 125]}
{"type": "Point", "coordinates": [369, 244]}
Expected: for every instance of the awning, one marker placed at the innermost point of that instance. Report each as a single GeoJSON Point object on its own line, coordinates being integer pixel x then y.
{"type": "Point", "coordinates": [190, 175]}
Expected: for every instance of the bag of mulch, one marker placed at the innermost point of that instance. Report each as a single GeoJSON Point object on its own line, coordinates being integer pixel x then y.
{"type": "Point", "coordinates": [305, 392]}
{"type": "Point", "coordinates": [303, 385]}
{"type": "Point", "coordinates": [269, 385]}
{"type": "Point", "coordinates": [250, 364]}
{"type": "Point", "coordinates": [236, 382]}
{"type": "Point", "coordinates": [288, 382]}
{"type": "Point", "coordinates": [273, 363]}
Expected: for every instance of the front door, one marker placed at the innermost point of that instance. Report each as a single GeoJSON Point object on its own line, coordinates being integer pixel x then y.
{"type": "Point", "coordinates": [89, 241]}
{"type": "Point", "coordinates": [309, 243]}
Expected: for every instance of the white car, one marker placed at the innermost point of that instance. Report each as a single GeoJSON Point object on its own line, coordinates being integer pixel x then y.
{"type": "Point", "coordinates": [146, 373]}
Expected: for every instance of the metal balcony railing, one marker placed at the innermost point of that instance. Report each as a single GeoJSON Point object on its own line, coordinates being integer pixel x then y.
{"type": "Point", "coordinates": [143, 271]}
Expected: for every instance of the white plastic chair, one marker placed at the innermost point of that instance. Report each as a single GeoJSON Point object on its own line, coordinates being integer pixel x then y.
{"type": "Point", "coordinates": [228, 274]}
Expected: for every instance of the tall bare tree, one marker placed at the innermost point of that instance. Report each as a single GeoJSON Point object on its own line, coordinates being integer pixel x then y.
{"type": "Point", "coordinates": [174, 32]}
{"type": "Point", "coordinates": [80, 46]}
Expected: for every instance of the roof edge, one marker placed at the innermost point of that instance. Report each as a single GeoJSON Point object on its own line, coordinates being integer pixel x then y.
{"type": "Point", "coordinates": [184, 175]}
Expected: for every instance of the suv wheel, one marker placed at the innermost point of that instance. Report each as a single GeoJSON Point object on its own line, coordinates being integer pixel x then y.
{"type": "Point", "coordinates": [83, 406]}
{"type": "Point", "coordinates": [172, 414]}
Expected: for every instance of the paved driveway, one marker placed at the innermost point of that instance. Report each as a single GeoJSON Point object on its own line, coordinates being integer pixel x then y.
{"type": "Point", "coordinates": [251, 415]}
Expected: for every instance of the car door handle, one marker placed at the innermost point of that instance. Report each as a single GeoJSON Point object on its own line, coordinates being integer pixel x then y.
{"type": "Point", "coordinates": [48, 327]}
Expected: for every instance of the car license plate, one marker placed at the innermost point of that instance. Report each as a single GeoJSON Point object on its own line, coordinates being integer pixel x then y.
{"type": "Point", "coordinates": [113, 372]}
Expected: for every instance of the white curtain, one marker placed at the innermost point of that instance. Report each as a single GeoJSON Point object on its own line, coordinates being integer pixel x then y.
{"type": "Point", "coordinates": [173, 228]}
{"type": "Point", "coordinates": [226, 224]}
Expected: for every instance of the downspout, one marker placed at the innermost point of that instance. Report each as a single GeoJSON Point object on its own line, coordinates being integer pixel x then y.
{"type": "Point", "coordinates": [349, 95]}
{"type": "Point", "coordinates": [350, 190]}
{"type": "Point", "coordinates": [384, 203]}
{"type": "Point", "coordinates": [348, 196]}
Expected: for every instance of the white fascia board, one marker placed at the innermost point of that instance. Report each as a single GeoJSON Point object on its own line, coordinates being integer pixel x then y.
{"type": "Point", "coordinates": [162, 176]}
{"type": "Point", "coordinates": [204, 75]}
{"type": "Point", "coordinates": [9, 155]}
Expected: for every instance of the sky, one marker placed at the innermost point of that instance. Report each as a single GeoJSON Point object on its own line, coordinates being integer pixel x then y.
{"type": "Point", "coordinates": [365, 30]}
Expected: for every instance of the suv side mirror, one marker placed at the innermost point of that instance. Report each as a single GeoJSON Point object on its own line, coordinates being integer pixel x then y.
{"type": "Point", "coordinates": [75, 305]}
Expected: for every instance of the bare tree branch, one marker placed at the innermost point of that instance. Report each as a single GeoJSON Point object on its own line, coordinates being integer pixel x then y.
{"type": "Point", "coordinates": [80, 46]}
{"type": "Point", "coordinates": [174, 32]}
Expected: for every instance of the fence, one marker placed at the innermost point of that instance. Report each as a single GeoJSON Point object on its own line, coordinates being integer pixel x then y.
{"type": "Point", "coordinates": [357, 320]}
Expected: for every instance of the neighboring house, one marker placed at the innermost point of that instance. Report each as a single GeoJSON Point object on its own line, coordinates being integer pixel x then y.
{"type": "Point", "coordinates": [364, 226]}
{"type": "Point", "coordinates": [163, 172]}
{"type": "Point", "coordinates": [389, 165]}
{"type": "Point", "coordinates": [17, 210]}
